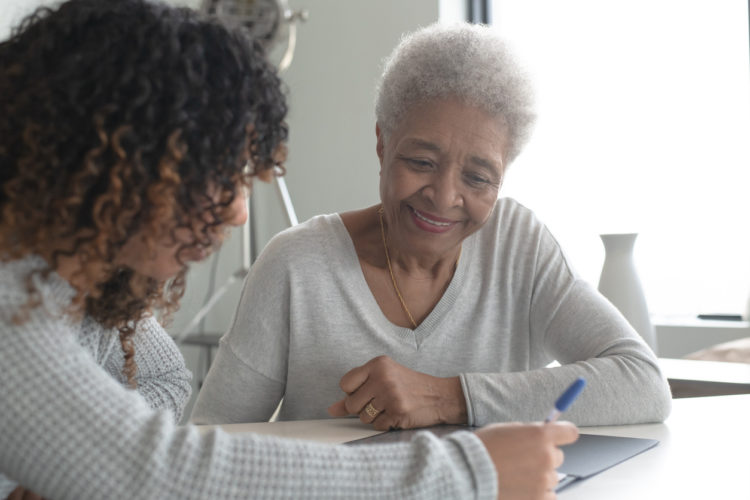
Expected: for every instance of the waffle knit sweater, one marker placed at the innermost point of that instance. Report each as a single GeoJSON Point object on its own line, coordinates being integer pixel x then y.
{"type": "Point", "coordinates": [69, 429]}
{"type": "Point", "coordinates": [514, 305]}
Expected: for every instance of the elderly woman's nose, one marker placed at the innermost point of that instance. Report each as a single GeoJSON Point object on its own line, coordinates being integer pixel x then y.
{"type": "Point", "coordinates": [445, 190]}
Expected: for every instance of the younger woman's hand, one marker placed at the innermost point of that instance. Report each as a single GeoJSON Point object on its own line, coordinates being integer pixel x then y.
{"type": "Point", "coordinates": [526, 456]}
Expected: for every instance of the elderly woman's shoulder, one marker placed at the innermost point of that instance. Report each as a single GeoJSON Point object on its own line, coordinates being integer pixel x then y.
{"type": "Point", "coordinates": [318, 232]}
{"type": "Point", "coordinates": [511, 210]}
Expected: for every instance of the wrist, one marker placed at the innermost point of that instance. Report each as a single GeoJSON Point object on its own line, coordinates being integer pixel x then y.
{"type": "Point", "coordinates": [453, 407]}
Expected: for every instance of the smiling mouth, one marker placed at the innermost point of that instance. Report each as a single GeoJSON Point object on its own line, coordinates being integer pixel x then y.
{"type": "Point", "coordinates": [422, 217]}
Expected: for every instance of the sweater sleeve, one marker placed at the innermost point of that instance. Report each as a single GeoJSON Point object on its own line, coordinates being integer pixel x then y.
{"type": "Point", "coordinates": [234, 392]}
{"type": "Point", "coordinates": [247, 379]}
{"type": "Point", "coordinates": [161, 375]}
{"type": "Point", "coordinates": [570, 322]}
{"type": "Point", "coordinates": [71, 431]}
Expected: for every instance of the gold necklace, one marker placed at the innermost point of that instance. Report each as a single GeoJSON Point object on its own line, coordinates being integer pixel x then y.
{"type": "Point", "coordinates": [390, 269]}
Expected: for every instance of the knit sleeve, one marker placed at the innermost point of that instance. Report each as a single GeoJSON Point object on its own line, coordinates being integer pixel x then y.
{"type": "Point", "coordinates": [161, 376]}
{"type": "Point", "coordinates": [71, 431]}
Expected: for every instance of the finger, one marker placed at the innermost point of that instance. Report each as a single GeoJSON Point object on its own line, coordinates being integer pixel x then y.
{"type": "Point", "coordinates": [16, 494]}
{"type": "Point", "coordinates": [369, 412]}
{"type": "Point", "coordinates": [358, 399]}
{"type": "Point", "coordinates": [562, 432]}
{"type": "Point", "coordinates": [338, 409]}
{"type": "Point", "coordinates": [384, 422]}
{"type": "Point", "coordinates": [551, 480]}
{"type": "Point", "coordinates": [353, 379]}
{"type": "Point", "coordinates": [557, 457]}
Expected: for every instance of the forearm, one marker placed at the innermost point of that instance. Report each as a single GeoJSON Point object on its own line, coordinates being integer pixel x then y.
{"type": "Point", "coordinates": [620, 389]}
{"type": "Point", "coordinates": [161, 376]}
{"type": "Point", "coordinates": [132, 451]}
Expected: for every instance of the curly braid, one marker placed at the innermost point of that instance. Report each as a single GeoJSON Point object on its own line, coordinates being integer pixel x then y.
{"type": "Point", "coordinates": [120, 117]}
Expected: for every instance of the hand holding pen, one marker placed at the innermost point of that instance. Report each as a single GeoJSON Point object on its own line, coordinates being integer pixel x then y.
{"type": "Point", "coordinates": [526, 456]}
{"type": "Point", "coordinates": [566, 399]}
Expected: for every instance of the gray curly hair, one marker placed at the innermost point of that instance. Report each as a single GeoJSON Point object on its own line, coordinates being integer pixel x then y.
{"type": "Point", "coordinates": [468, 61]}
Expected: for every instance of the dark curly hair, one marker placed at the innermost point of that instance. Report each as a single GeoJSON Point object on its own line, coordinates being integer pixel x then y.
{"type": "Point", "coordinates": [120, 117]}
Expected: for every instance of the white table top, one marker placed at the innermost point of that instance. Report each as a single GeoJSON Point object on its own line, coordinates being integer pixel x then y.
{"type": "Point", "coordinates": [332, 431]}
{"type": "Point", "coordinates": [704, 452]}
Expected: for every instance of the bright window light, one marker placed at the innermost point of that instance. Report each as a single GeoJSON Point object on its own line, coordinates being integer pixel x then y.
{"type": "Point", "coordinates": [644, 126]}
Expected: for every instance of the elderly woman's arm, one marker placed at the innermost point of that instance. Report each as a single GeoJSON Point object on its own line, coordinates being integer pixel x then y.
{"type": "Point", "coordinates": [569, 321]}
{"type": "Point", "coordinates": [589, 338]}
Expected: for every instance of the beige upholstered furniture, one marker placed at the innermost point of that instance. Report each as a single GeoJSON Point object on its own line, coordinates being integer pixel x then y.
{"type": "Point", "coordinates": [736, 351]}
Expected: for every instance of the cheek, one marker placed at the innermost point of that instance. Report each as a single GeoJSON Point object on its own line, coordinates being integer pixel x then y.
{"type": "Point", "coordinates": [239, 212]}
{"type": "Point", "coordinates": [398, 183]}
{"type": "Point", "coordinates": [481, 208]}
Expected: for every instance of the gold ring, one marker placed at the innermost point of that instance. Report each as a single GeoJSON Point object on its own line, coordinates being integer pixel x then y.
{"type": "Point", "coordinates": [371, 411]}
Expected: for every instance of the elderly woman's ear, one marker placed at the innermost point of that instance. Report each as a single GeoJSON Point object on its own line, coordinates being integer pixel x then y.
{"type": "Point", "coordinates": [380, 147]}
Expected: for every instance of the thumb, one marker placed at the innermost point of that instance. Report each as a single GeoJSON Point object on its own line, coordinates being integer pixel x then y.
{"type": "Point", "coordinates": [338, 409]}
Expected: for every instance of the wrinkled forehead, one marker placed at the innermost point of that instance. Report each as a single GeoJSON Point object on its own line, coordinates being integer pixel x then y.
{"type": "Point", "coordinates": [438, 125]}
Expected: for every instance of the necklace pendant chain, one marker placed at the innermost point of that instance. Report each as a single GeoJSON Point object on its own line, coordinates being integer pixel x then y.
{"type": "Point", "coordinates": [390, 269]}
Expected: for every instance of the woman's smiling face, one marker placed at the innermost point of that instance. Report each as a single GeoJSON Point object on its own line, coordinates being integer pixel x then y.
{"type": "Point", "coordinates": [440, 173]}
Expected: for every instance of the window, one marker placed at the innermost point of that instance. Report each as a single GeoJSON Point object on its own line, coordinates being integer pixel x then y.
{"type": "Point", "coordinates": [644, 126]}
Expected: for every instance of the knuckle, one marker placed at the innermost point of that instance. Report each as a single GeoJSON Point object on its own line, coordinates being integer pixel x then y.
{"type": "Point", "coordinates": [548, 458]}
{"type": "Point", "coordinates": [390, 385]}
{"type": "Point", "coordinates": [398, 406]}
{"type": "Point", "coordinates": [349, 405]}
{"type": "Point", "coordinates": [537, 433]}
{"type": "Point", "coordinates": [380, 363]}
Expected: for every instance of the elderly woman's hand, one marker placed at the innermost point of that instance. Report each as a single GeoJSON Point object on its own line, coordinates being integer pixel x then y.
{"type": "Point", "coordinates": [388, 395]}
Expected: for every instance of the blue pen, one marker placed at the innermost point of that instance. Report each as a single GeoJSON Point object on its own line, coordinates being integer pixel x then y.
{"type": "Point", "coordinates": [567, 398]}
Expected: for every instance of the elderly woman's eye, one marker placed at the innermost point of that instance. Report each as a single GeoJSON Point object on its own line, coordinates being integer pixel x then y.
{"type": "Point", "coordinates": [419, 163]}
{"type": "Point", "coordinates": [477, 179]}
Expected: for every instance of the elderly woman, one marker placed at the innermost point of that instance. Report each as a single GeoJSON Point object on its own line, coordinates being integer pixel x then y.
{"type": "Point", "coordinates": [125, 134]}
{"type": "Point", "coordinates": [443, 303]}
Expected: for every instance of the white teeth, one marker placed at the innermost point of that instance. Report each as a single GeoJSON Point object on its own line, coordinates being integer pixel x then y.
{"type": "Point", "coordinates": [433, 222]}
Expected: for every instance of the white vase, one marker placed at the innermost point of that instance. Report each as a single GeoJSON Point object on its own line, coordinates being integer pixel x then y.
{"type": "Point", "coordinates": [619, 282]}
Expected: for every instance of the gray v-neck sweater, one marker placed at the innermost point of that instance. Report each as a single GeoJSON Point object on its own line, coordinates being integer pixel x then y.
{"type": "Point", "coordinates": [514, 305]}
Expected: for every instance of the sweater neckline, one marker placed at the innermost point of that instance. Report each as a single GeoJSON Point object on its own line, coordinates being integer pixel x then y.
{"type": "Point", "coordinates": [414, 337]}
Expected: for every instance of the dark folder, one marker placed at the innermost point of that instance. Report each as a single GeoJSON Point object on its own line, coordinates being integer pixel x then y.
{"type": "Point", "coordinates": [592, 454]}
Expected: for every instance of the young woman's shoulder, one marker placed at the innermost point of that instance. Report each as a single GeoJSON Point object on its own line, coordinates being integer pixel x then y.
{"type": "Point", "coordinates": [14, 279]}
